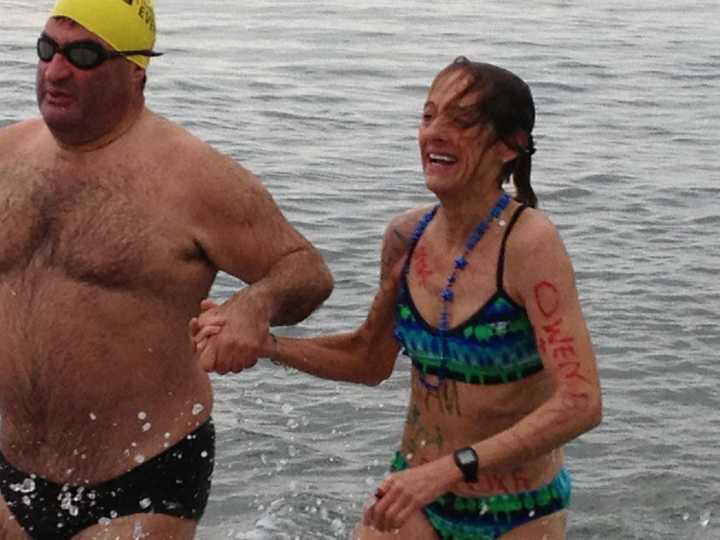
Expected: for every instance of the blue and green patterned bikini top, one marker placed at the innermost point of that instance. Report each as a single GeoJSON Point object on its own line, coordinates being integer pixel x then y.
{"type": "Point", "coordinates": [496, 345]}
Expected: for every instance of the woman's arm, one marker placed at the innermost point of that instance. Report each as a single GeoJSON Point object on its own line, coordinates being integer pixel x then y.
{"type": "Point", "coordinates": [365, 355]}
{"type": "Point", "coordinates": [545, 283]}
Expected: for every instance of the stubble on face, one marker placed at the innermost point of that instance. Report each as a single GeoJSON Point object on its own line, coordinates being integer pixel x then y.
{"type": "Point", "coordinates": [81, 105]}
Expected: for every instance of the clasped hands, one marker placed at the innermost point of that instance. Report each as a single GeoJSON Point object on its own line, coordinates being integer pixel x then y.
{"type": "Point", "coordinates": [229, 342]}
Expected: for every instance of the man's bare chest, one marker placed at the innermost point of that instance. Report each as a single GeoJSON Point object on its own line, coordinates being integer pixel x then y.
{"type": "Point", "coordinates": [104, 230]}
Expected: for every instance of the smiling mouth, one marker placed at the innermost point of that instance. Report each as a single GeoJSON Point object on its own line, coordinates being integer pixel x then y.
{"type": "Point", "coordinates": [442, 159]}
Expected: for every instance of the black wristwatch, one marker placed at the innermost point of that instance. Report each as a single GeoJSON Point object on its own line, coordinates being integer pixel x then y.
{"type": "Point", "coordinates": [467, 461]}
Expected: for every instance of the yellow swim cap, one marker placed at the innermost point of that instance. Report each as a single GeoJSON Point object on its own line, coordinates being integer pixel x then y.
{"type": "Point", "coordinates": [126, 25]}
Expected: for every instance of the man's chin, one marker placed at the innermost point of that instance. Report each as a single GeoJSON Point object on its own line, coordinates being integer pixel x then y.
{"type": "Point", "coordinates": [60, 119]}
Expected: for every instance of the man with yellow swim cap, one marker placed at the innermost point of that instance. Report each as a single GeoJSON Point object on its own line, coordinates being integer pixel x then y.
{"type": "Point", "coordinates": [115, 222]}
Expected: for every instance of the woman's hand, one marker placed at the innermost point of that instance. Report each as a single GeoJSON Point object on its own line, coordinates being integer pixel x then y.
{"type": "Point", "coordinates": [403, 493]}
{"type": "Point", "coordinates": [204, 326]}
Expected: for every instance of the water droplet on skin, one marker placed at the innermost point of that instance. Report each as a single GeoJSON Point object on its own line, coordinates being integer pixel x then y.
{"type": "Point", "coordinates": [142, 415]}
{"type": "Point", "coordinates": [139, 458]}
{"type": "Point", "coordinates": [197, 409]}
{"type": "Point", "coordinates": [146, 426]}
{"type": "Point", "coordinates": [138, 531]}
{"type": "Point", "coordinates": [167, 435]}
{"type": "Point", "coordinates": [104, 521]}
{"type": "Point", "coordinates": [93, 416]}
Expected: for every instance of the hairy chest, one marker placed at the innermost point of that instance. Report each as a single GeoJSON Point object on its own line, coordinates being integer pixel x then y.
{"type": "Point", "coordinates": [108, 230]}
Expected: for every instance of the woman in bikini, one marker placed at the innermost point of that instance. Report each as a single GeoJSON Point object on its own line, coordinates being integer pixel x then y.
{"type": "Point", "coordinates": [479, 292]}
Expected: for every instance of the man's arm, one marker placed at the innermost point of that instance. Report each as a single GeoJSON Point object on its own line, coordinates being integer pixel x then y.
{"type": "Point", "coordinates": [243, 232]}
{"type": "Point", "coordinates": [367, 354]}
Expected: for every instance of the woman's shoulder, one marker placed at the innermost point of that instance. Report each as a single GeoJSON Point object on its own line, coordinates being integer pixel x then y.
{"type": "Point", "coordinates": [402, 225]}
{"type": "Point", "coordinates": [399, 231]}
{"type": "Point", "coordinates": [532, 228]}
{"type": "Point", "coordinates": [535, 245]}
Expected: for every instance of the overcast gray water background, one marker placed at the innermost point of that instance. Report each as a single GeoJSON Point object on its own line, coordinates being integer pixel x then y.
{"type": "Point", "coordinates": [322, 100]}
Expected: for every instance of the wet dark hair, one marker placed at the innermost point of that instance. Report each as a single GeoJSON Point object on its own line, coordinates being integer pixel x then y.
{"type": "Point", "coordinates": [505, 102]}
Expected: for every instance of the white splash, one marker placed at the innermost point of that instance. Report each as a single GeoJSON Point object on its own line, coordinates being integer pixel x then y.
{"type": "Point", "coordinates": [705, 519]}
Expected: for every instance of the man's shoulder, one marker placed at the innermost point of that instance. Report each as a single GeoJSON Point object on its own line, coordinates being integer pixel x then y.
{"type": "Point", "coordinates": [20, 134]}
{"type": "Point", "coordinates": [186, 150]}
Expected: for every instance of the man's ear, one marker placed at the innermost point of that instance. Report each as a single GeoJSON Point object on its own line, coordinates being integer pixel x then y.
{"type": "Point", "coordinates": [139, 76]}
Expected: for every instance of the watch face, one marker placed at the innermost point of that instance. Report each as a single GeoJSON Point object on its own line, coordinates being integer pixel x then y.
{"type": "Point", "coordinates": [466, 457]}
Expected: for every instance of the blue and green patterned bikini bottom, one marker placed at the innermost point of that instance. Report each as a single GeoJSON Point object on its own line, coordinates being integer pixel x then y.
{"type": "Point", "coordinates": [455, 517]}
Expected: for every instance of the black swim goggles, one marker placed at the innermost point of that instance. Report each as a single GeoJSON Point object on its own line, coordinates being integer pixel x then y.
{"type": "Point", "coordinates": [84, 54]}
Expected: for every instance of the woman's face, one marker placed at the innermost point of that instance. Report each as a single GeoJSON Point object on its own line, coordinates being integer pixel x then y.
{"type": "Point", "coordinates": [455, 156]}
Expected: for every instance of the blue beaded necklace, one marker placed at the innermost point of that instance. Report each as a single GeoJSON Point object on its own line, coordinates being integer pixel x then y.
{"type": "Point", "coordinates": [447, 294]}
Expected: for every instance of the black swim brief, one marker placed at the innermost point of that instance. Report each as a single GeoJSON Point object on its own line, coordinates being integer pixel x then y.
{"type": "Point", "coordinates": [174, 483]}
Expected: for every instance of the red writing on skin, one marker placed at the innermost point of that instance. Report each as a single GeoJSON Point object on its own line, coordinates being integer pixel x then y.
{"type": "Point", "coordinates": [551, 339]}
{"type": "Point", "coordinates": [575, 400]}
{"type": "Point", "coordinates": [547, 298]}
{"type": "Point", "coordinates": [422, 269]}
{"type": "Point", "coordinates": [573, 372]}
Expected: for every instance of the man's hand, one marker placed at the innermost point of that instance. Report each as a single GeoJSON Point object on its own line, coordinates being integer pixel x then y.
{"type": "Point", "coordinates": [230, 337]}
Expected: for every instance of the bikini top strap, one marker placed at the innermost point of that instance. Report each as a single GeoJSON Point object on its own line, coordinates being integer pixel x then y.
{"type": "Point", "coordinates": [501, 257]}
